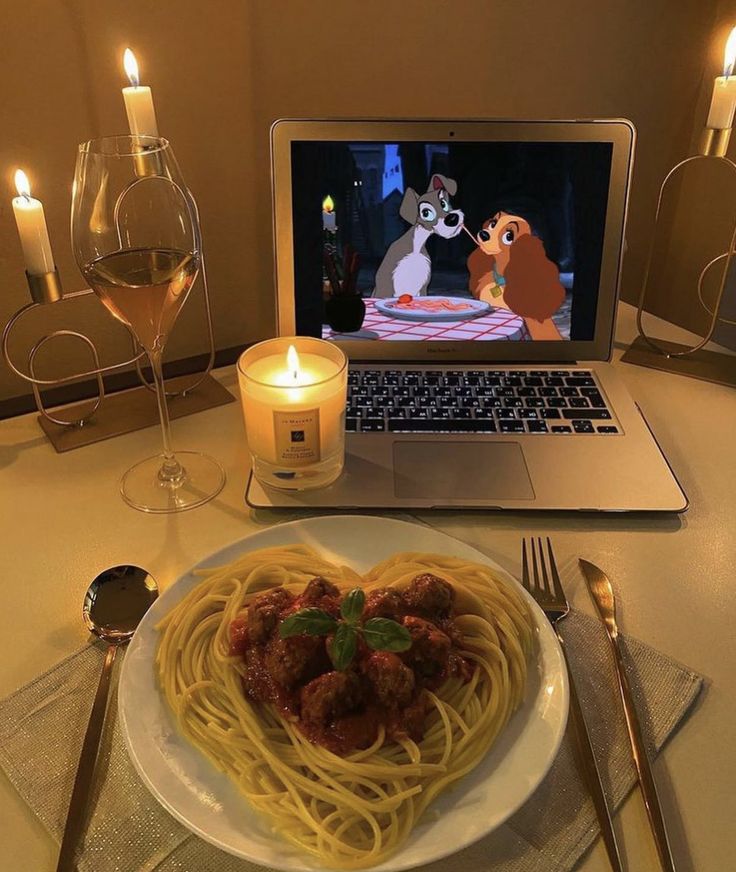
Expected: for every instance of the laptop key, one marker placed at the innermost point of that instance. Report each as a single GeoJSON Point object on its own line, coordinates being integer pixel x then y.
{"type": "Point", "coordinates": [579, 381]}
{"type": "Point", "coordinates": [590, 392]}
{"type": "Point", "coordinates": [511, 427]}
{"type": "Point", "coordinates": [578, 403]}
{"type": "Point", "coordinates": [549, 413]}
{"type": "Point", "coordinates": [527, 413]}
{"type": "Point", "coordinates": [372, 425]}
{"type": "Point", "coordinates": [537, 427]}
{"type": "Point", "coordinates": [398, 425]}
{"type": "Point", "coordinates": [586, 414]}
{"type": "Point", "coordinates": [554, 381]}
{"type": "Point", "coordinates": [505, 414]}
{"type": "Point", "coordinates": [512, 382]}
{"type": "Point", "coordinates": [607, 429]}
{"type": "Point", "coordinates": [559, 428]}
{"type": "Point", "coordinates": [534, 403]}
{"type": "Point", "coordinates": [557, 403]}
{"type": "Point", "coordinates": [462, 413]}
{"type": "Point", "coordinates": [526, 392]}
{"type": "Point", "coordinates": [351, 425]}
{"type": "Point", "coordinates": [548, 392]}
{"type": "Point", "coordinates": [583, 426]}
{"type": "Point", "coordinates": [569, 392]}
{"type": "Point", "coordinates": [533, 381]}
{"type": "Point", "coordinates": [513, 402]}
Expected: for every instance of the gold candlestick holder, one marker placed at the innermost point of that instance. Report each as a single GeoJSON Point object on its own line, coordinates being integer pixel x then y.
{"type": "Point", "coordinates": [125, 410]}
{"type": "Point", "coordinates": [691, 360]}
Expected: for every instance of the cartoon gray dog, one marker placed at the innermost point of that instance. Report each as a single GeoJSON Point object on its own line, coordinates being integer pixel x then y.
{"type": "Point", "coordinates": [406, 267]}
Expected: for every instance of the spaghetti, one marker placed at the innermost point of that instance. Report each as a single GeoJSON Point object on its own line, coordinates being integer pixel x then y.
{"type": "Point", "coordinates": [355, 810]}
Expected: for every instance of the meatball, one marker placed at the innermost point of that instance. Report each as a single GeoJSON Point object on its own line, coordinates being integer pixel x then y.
{"type": "Point", "coordinates": [385, 602]}
{"type": "Point", "coordinates": [330, 696]}
{"type": "Point", "coordinates": [321, 593]}
{"type": "Point", "coordinates": [264, 613]}
{"type": "Point", "coordinates": [430, 596]}
{"type": "Point", "coordinates": [295, 660]}
{"type": "Point", "coordinates": [317, 588]}
{"type": "Point", "coordinates": [392, 681]}
{"type": "Point", "coordinates": [430, 647]}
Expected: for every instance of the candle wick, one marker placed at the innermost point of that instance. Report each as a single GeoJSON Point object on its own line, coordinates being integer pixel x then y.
{"type": "Point", "coordinates": [26, 196]}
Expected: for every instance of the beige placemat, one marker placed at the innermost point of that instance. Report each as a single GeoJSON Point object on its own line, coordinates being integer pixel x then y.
{"type": "Point", "coordinates": [43, 723]}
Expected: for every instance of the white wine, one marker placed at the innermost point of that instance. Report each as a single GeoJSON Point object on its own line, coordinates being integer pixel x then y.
{"type": "Point", "coordinates": [144, 288]}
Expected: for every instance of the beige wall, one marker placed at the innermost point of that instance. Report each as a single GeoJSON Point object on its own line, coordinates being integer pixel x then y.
{"type": "Point", "coordinates": [223, 70]}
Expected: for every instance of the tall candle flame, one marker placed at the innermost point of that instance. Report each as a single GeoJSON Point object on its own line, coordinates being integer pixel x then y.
{"type": "Point", "coordinates": [292, 362]}
{"type": "Point", "coordinates": [22, 184]}
{"type": "Point", "coordinates": [729, 57]}
{"type": "Point", "coordinates": [131, 67]}
{"type": "Point", "coordinates": [328, 204]}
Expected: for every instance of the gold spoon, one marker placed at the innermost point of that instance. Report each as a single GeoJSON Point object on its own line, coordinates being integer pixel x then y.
{"type": "Point", "coordinates": [113, 607]}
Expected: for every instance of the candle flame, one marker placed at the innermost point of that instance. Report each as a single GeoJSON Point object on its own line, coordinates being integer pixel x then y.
{"type": "Point", "coordinates": [328, 204]}
{"type": "Point", "coordinates": [729, 57]}
{"type": "Point", "coordinates": [292, 362]}
{"type": "Point", "coordinates": [131, 67]}
{"type": "Point", "coordinates": [22, 184]}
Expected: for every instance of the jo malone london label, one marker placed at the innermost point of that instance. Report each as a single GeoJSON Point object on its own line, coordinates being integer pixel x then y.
{"type": "Point", "coordinates": [297, 437]}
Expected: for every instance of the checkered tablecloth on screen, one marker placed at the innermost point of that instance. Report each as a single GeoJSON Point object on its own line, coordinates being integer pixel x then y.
{"type": "Point", "coordinates": [497, 324]}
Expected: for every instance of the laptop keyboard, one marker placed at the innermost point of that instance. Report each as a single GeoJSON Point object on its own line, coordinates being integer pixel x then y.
{"type": "Point", "coordinates": [559, 402]}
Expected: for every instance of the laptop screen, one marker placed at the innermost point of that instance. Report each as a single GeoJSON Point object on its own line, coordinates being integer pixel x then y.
{"type": "Point", "coordinates": [462, 241]}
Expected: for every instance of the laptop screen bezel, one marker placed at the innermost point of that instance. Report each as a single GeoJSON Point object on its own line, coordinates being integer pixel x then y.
{"type": "Point", "coordinates": [619, 132]}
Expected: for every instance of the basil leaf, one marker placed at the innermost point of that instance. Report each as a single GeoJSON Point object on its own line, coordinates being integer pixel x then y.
{"type": "Point", "coordinates": [342, 649]}
{"type": "Point", "coordinates": [312, 621]}
{"type": "Point", "coordinates": [352, 606]}
{"type": "Point", "coordinates": [383, 634]}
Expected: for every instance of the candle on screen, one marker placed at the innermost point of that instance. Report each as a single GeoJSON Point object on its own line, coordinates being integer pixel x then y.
{"type": "Point", "coordinates": [34, 235]}
{"type": "Point", "coordinates": [299, 391]}
{"type": "Point", "coordinates": [723, 101]}
{"type": "Point", "coordinates": [138, 100]}
{"type": "Point", "coordinates": [329, 218]}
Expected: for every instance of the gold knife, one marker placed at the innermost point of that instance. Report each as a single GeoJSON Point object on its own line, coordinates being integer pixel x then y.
{"type": "Point", "coordinates": [602, 595]}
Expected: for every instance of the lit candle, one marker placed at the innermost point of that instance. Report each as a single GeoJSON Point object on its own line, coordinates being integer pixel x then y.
{"type": "Point", "coordinates": [138, 100]}
{"type": "Point", "coordinates": [723, 101]}
{"type": "Point", "coordinates": [329, 218]}
{"type": "Point", "coordinates": [34, 235]}
{"type": "Point", "coordinates": [294, 406]}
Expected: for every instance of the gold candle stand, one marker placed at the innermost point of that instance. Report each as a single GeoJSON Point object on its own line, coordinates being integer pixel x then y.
{"type": "Point", "coordinates": [125, 410]}
{"type": "Point", "coordinates": [693, 361]}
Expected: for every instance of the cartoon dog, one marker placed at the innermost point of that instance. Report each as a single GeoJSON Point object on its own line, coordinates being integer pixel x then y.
{"type": "Point", "coordinates": [406, 267]}
{"type": "Point", "coordinates": [510, 269]}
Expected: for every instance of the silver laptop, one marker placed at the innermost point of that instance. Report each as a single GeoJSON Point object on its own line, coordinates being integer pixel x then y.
{"type": "Point", "coordinates": [484, 259]}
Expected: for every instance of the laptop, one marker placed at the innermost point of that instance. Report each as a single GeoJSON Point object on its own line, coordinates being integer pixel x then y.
{"type": "Point", "coordinates": [487, 257]}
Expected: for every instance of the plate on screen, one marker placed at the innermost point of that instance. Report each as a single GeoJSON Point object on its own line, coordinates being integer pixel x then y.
{"type": "Point", "coordinates": [409, 308]}
{"type": "Point", "coordinates": [210, 805]}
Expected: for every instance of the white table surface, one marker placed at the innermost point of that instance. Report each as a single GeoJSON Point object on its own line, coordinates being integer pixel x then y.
{"type": "Point", "coordinates": [62, 521]}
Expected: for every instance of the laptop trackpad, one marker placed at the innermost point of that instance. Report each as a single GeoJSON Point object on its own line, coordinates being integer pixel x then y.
{"type": "Point", "coordinates": [461, 471]}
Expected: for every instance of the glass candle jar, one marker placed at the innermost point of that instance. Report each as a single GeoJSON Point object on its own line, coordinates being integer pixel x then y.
{"type": "Point", "coordinates": [294, 393]}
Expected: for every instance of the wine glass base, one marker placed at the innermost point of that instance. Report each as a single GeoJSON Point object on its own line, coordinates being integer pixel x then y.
{"type": "Point", "coordinates": [144, 489]}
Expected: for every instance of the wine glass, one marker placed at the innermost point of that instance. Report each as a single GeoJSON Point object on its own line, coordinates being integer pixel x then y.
{"type": "Point", "coordinates": [136, 240]}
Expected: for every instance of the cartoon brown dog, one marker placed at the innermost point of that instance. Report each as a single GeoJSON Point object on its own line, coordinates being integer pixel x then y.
{"type": "Point", "coordinates": [511, 270]}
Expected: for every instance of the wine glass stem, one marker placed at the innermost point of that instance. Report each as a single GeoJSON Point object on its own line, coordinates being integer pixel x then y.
{"type": "Point", "coordinates": [171, 471]}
